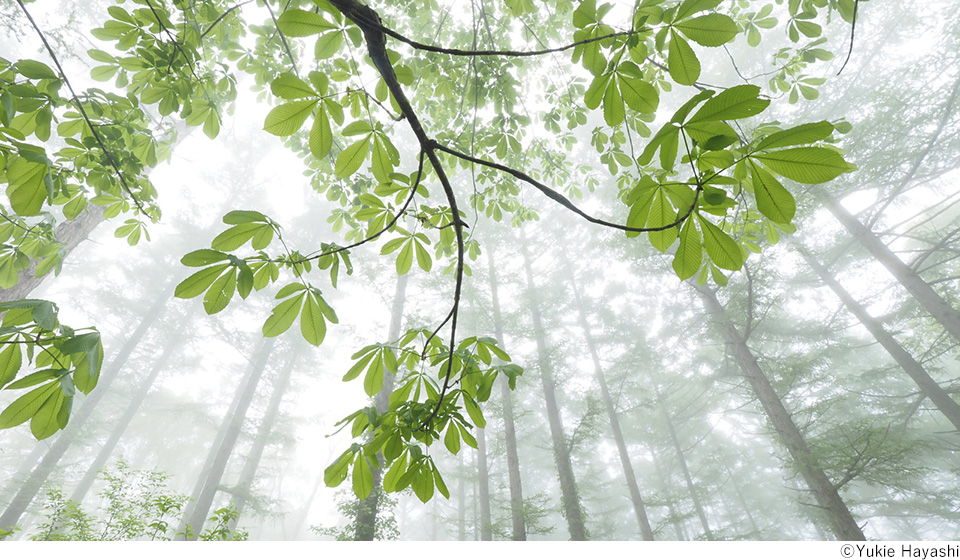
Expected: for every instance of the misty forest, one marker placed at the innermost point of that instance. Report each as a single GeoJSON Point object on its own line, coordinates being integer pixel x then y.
{"type": "Point", "coordinates": [479, 270]}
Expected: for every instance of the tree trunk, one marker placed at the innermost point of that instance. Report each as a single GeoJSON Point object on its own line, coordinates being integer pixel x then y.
{"type": "Point", "coordinates": [483, 487]}
{"type": "Point", "coordinates": [930, 388]}
{"type": "Point", "coordinates": [646, 532]}
{"type": "Point", "coordinates": [369, 508]}
{"type": "Point", "coordinates": [461, 500]}
{"type": "Point", "coordinates": [70, 233]}
{"type": "Point", "coordinates": [930, 300]}
{"type": "Point", "coordinates": [841, 520]}
{"type": "Point", "coordinates": [32, 485]}
{"type": "Point", "coordinates": [106, 450]}
{"type": "Point", "coordinates": [243, 489]}
{"type": "Point", "coordinates": [681, 457]}
{"type": "Point", "coordinates": [221, 454]}
{"type": "Point", "coordinates": [509, 429]}
{"type": "Point", "coordinates": [671, 509]}
{"type": "Point", "coordinates": [572, 509]}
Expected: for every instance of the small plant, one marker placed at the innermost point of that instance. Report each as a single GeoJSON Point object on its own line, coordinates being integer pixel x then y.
{"type": "Point", "coordinates": [135, 505]}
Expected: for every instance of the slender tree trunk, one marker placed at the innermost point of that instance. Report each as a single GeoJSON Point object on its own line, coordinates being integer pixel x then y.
{"type": "Point", "coordinates": [671, 509]}
{"type": "Point", "coordinates": [841, 520]}
{"type": "Point", "coordinates": [369, 508]}
{"type": "Point", "coordinates": [221, 454]}
{"type": "Point", "coordinates": [509, 428]}
{"type": "Point", "coordinates": [572, 508]}
{"type": "Point", "coordinates": [244, 487]}
{"type": "Point", "coordinates": [930, 300]}
{"type": "Point", "coordinates": [483, 487]}
{"type": "Point", "coordinates": [461, 500]}
{"type": "Point", "coordinates": [743, 504]}
{"type": "Point", "coordinates": [71, 233]}
{"type": "Point", "coordinates": [106, 450]}
{"type": "Point", "coordinates": [681, 457]}
{"type": "Point", "coordinates": [646, 532]}
{"type": "Point", "coordinates": [928, 386]}
{"type": "Point", "coordinates": [32, 485]}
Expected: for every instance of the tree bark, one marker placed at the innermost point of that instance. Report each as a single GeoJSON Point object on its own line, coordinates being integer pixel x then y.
{"type": "Point", "coordinates": [646, 532]}
{"type": "Point", "coordinates": [570, 498]}
{"type": "Point", "coordinates": [509, 428]}
{"type": "Point", "coordinates": [930, 300]}
{"type": "Point", "coordinates": [32, 485]}
{"type": "Point", "coordinates": [243, 489]}
{"type": "Point", "coordinates": [928, 386]}
{"type": "Point", "coordinates": [671, 509]}
{"type": "Point", "coordinates": [483, 487]}
{"type": "Point", "coordinates": [106, 450]}
{"type": "Point", "coordinates": [221, 454]}
{"type": "Point", "coordinates": [369, 508]}
{"type": "Point", "coordinates": [684, 469]}
{"type": "Point", "coordinates": [841, 520]}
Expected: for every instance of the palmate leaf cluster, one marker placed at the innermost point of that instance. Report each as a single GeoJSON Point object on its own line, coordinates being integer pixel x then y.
{"type": "Point", "coordinates": [710, 186]}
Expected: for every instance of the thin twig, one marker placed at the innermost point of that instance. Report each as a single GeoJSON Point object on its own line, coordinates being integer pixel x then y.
{"type": "Point", "coordinates": [83, 112]}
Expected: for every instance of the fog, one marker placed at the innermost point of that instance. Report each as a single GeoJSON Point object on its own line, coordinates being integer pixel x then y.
{"type": "Point", "coordinates": [804, 387]}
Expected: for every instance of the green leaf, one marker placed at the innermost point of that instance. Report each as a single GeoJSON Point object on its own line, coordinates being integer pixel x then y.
{"type": "Point", "coordinates": [773, 201]}
{"type": "Point", "coordinates": [10, 361]}
{"type": "Point", "coordinates": [46, 422]}
{"type": "Point", "coordinates": [328, 45]}
{"type": "Point", "coordinates": [27, 405]}
{"type": "Point", "coordinates": [301, 23]}
{"type": "Point", "coordinates": [639, 95]}
{"type": "Point", "coordinates": [405, 258]}
{"type": "Point", "coordinates": [381, 163]}
{"type": "Point", "coordinates": [682, 61]}
{"type": "Point", "coordinates": [423, 257]}
{"type": "Point", "coordinates": [321, 136]}
{"type": "Point", "coordinates": [452, 439]}
{"type": "Point", "coordinates": [27, 187]}
{"type": "Point", "coordinates": [805, 165]}
{"type": "Point", "coordinates": [337, 472]}
{"type": "Point", "coordinates": [235, 217]}
{"type": "Point", "coordinates": [473, 409]}
{"type": "Point", "coordinates": [286, 119]}
{"type": "Point", "coordinates": [393, 475]}
{"type": "Point", "coordinates": [282, 317]}
{"type": "Point", "coordinates": [233, 238]}
{"type": "Point", "coordinates": [721, 248]}
{"type": "Point", "coordinates": [289, 86]}
{"type": "Point", "coordinates": [737, 102]}
{"type": "Point", "coordinates": [203, 257]}
{"type": "Point", "coordinates": [352, 157]}
{"type": "Point", "coordinates": [613, 108]}
{"type": "Point", "coordinates": [312, 326]}
{"type": "Point", "coordinates": [803, 134]}
{"type": "Point", "coordinates": [690, 7]}
{"type": "Point", "coordinates": [594, 95]}
{"type": "Point", "coordinates": [689, 255]}
{"type": "Point", "coordinates": [198, 282]}
{"type": "Point", "coordinates": [220, 293]}
{"type": "Point", "coordinates": [438, 480]}
{"type": "Point", "coordinates": [362, 477]}
{"type": "Point", "coordinates": [35, 70]}
{"type": "Point", "coordinates": [711, 30]}
{"type": "Point", "coordinates": [661, 213]}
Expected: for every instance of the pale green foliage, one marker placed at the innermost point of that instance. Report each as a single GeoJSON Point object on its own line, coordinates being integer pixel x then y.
{"type": "Point", "coordinates": [134, 505]}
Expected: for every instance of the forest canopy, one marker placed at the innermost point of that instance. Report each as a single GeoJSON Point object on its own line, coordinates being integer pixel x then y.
{"type": "Point", "coordinates": [680, 145]}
